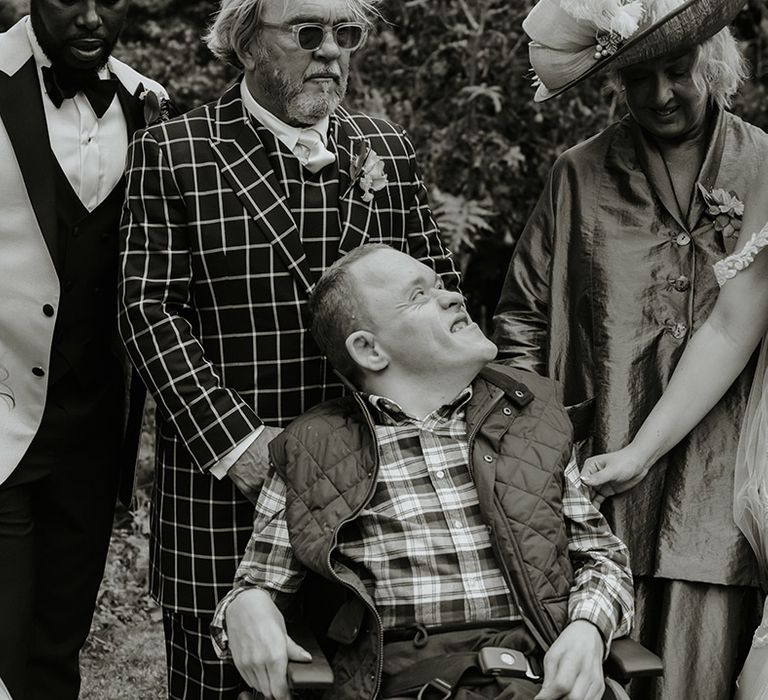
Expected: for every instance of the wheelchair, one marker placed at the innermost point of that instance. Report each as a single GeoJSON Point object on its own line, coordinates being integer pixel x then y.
{"type": "Point", "coordinates": [626, 660]}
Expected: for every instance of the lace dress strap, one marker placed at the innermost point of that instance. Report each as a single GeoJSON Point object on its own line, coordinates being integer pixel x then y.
{"type": "Point", "coordinates": [727, 268]}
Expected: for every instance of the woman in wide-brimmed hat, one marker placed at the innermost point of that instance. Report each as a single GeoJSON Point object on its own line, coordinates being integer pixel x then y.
{"type": "Point", "coordinates": [610, 278]}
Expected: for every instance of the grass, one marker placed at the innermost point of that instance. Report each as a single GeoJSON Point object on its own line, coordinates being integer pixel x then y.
{"type": "Point", "coordinates": [124, 657]}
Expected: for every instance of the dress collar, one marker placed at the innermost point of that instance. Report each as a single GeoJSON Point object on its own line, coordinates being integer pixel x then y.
{"type": "Point", "coordinates": [287, 134]}
{"type": "Point", "coordinates": [391, 412]}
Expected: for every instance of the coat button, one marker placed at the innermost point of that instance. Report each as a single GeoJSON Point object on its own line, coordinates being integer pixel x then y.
{"type": "Point", "coordinates": [682, 239]}
{"type": "Point", "coordinates": [507, 411]}
{"type": "Point", "coordinates": [680, 283]}
{"type": "Point", "coordinates": [38, 371]}
{"type": "Point", "coordinates": [677, 330]}
{"type": "Point", "coordinates": [48, 310]}
{"type": "Point", "coordinates": [488, 458]}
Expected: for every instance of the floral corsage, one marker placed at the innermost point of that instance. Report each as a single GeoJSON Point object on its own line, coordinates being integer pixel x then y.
{"type": "Point", "coordinates": [725, 209]}
{"type": "Point", "coordinates": [368, 170]}
{"type": "Point", "coordinates": [156, 107]}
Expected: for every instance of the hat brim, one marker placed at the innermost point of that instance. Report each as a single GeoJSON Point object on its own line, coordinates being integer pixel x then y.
{"type": "Point", "coordinates": [683, 28]}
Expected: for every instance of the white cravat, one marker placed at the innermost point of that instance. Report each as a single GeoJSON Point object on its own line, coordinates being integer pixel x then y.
{"type": "Point", "coordinates": [311, 151]}
{"type": "Point", "coordinates": [308, 145]}
{"type": "Point", "coordinates": [90, 151]}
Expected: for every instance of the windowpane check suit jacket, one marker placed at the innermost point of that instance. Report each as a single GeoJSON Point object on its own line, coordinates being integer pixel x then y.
{"type": "Point", "coordinates": [215, 284]}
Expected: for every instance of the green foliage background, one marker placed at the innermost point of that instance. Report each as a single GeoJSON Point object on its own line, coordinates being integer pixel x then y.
{"type": "Point", "coordinates": [452, 72]}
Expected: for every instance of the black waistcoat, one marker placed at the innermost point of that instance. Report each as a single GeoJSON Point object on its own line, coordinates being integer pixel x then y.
{"type": "Point", "coordinates": [313, 199]}
{"type": "Point", "coordinates": [85, 384]}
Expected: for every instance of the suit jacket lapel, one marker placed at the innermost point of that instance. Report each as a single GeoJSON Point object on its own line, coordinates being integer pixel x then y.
{"type": "Point", "coordinates": [133, 108]}
{"type": "Point", "coordinates": [22, 112]}
{"type": "Point", "coordinates": [245, 166]}
{"type": "Point", "coordinates": [357, 218]}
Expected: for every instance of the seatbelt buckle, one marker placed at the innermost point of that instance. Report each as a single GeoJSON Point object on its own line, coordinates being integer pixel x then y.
{"type": "Point", "coordinates": [500, 661]}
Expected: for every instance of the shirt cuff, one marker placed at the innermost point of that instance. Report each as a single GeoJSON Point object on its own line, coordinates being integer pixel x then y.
{"type": "Point", "coordinates": [220, 469]}
{"type": "Point", "coordinates": [604, 625]}
{"type": "Point", "coordinates": [218, 628]}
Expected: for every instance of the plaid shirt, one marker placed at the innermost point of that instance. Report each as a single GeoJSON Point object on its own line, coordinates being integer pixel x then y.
{"type": "Point", "coordinates": [423, 542]}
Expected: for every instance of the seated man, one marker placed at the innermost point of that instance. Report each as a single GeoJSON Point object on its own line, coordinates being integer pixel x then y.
{"type": "Point", "coordinates": [440, 501]}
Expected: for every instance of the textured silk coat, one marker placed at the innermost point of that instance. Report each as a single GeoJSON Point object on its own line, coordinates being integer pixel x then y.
{"type": "Point", "coordinates": [607, 284]}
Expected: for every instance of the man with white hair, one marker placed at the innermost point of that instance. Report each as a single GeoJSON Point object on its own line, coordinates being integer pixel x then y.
{"type": "Point", "coordinates": [233, 211]}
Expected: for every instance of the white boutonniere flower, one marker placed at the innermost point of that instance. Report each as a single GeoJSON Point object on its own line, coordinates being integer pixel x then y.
{"type": "Point", "coordinates": [368, 169]}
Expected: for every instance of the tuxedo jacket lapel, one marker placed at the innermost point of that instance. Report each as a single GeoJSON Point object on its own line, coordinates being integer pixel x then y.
{"type": "Point", "coordinates": [245, 166]}
{"type": "Point", "coordinates": [358, 219]}
{"type": "Point", "coordinates": [23, 115]}
{"type": "Point", "coordinates": [133, 109]}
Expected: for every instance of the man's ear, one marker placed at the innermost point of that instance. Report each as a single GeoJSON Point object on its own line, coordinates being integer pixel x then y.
{"type": "Point", "coordinates": [247, 58]}
{"type": "Point", "coordinates": [366, 352]}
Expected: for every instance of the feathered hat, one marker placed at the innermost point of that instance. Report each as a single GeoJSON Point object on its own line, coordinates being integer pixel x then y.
{"type": "Point", "coordinates": [573, 39]}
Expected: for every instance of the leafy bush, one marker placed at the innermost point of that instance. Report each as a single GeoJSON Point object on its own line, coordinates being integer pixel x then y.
{"type": "Point", "coordinates": [453, 73]}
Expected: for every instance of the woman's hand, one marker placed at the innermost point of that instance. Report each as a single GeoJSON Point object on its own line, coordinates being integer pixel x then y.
{"type": "Point", "coordinates": [614, 472]}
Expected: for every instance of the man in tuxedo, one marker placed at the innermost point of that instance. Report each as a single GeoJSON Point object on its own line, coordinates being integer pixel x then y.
{"type": "Point", "coordinates": [67, 110]}
{"type": "Point", "coordinates": [233, 212]}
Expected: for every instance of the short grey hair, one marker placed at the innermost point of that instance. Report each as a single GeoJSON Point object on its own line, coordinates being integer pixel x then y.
{"type": "Point", "coordinates": [238, 23]}
{"type": "Point", "coordinates": [336, 311]}
{"type": "Point", "coordinates": [718, 70]}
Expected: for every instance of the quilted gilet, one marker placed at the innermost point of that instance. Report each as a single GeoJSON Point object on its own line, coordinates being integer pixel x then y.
{"type": "Point", "coordinates": [520, 443]}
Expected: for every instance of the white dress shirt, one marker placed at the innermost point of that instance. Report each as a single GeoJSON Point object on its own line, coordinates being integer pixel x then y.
{"type": "Point", "coordinates": [90, 151]}
{"type": "Point", "coordinates": [287, 134]}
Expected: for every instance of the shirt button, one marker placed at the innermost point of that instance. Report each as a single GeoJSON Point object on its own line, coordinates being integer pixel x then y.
{"type": "Point", "coordinates": [519, 394]}
{"type": "Point", "coordinates": [48, 310]}
{"type": "Point", "coordinates": [440, 474]}
{"type": "Point", "coordinates": [507, 411]}
{"type": "Point", "coordinates": [682, 239]}
{"type": "Point", "coordinates": [38, 371]}
{"type": "Point", "coordinates": [488, 458]}
{"type": "Point", "coordinates": [457, 524]}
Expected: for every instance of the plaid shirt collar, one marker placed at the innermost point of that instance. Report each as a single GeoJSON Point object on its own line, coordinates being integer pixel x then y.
{"type": "Point", "coordinates": [389, 412]}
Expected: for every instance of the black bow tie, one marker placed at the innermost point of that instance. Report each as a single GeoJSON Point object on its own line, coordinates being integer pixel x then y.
{"type": "Point", "coordinates": [99, 93]}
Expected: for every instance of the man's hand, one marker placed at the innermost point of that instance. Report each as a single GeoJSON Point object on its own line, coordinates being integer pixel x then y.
{"type": "Point", "coordinates": [260, 646]}
{"type": "Point", "coordinates": [573, 666]}
{"type": "Point", "coordinates": [614, 472]}
{"type": "Point", "coordinates": [250, 470]}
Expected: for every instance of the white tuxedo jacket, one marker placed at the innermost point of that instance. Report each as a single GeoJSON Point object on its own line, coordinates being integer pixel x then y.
{"type": "Point", "coordinates": [29, 286]}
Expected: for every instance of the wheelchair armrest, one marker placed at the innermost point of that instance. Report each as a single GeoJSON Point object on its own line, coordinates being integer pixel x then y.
{"type": "Point", "coordinates": [628, 659]}
{"type": "Point", "coordinates": [316, 674]}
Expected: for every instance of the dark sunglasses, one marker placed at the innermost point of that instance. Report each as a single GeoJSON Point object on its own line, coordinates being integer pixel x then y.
{"type": "Point", "coordinates": [311, 35]}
